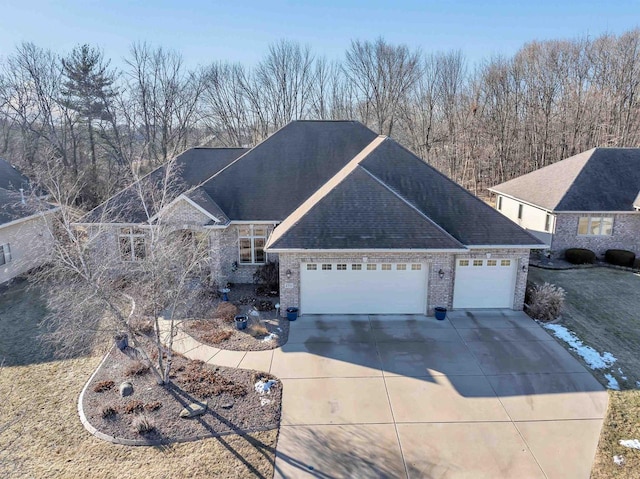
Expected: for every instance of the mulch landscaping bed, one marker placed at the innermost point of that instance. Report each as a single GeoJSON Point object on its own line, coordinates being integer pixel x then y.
{"type": "Point", "coordinates": [233, 404]}
{"type": "Point", "coordinates": [216, 327]}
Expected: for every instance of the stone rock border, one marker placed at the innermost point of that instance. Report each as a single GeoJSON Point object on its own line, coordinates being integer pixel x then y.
{"type": "Point", "coordinates": [145, 442]}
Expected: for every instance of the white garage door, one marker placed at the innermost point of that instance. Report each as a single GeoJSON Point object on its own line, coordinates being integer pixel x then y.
{"type": "Point", "coordinates": [484, 283]}
{"type": "Point", "coordinates": [363, 288]}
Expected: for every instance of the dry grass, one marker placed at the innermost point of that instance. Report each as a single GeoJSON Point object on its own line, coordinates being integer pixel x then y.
{"type": "Point", "coordinates": [257, 329]}
{"type": "Point", "coordinates": [226, 311]}
{"type": "Point", "coordinates": [216, 337]}
{"type": "Point", "coordinates": [44, 437]}
{"type": "Point", "coordinates": [621, 423]}
{"type": "Point", "coordinates": [602, 307]}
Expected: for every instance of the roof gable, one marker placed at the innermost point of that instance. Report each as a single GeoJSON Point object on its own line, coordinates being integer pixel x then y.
{"type": "Point", "coordinates": [362, 213]}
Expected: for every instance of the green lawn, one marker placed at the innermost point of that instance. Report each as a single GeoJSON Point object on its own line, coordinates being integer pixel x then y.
{"type": "Point", "coordinates": [603, 309]}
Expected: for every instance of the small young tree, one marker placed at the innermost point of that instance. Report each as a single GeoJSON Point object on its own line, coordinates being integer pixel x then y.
{"type": "Point", "coordinates": [105, 273]}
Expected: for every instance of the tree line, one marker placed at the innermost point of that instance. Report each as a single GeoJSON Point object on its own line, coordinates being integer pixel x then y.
{"type": "Point", "coordinates": [479, 125]}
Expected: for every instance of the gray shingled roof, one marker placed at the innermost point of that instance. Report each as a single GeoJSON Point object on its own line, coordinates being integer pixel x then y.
{"type": "Point", "coordinates": [276, 176]}
{"type": "Point", "coordinates": [200, 197]}
{"type": "Point", "coordinates": [362, 213]}
{"type": "Point", "coordinates": [465, 217]}
{"type": "Point", "coordinates": [600, 179]}
{"type": "Point", "coordinates": [193, 167]}
{"type": "Point", "coordinates": [10, 178]}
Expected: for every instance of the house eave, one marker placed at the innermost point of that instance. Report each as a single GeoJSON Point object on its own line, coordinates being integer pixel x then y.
{"type": "Point", "coordinates": [30, 217]}
{"type": "Point", "coordinates": [507, 246]}
{"type": "Point", "coordinates": [367, 250]}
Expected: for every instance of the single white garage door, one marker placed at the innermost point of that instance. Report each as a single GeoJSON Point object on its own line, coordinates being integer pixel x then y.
{"type": "Point", "coordinates": [363, 288]}
{"type": "Point", "coordinates": [484, 283]}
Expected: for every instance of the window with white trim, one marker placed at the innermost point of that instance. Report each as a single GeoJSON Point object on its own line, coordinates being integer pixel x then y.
{"type": "Point", "coordinates": [312, 267]}
{"type": "Point", "coordinates": [499, 202]}
{"type": "Point", "coordinates": [492, 262]}
{"type": "Point", "coordinates": [595, 226]}
{"type": "Point", "coordinates": [520, 211]}
{"type": "Point", "coordinates": [463, 262]}
{"type": "Point", "coordinates": [401, 267]}
{"type": "Point", "coordinates": [505, 262]}
{"type": "Point", "coordinates": [356, 267]}
{"type": "Point", "coordinates": [371, 267]}
{"type": "Point", "coordinates": [477, 262]}
{"type": "Point", "coordinates": [132, 244]}
{"type": "Point", "coordinates": [251, 241]}
{"type": "Point", "coordinates": [386, 267]}
{"type": "Point", "coordinates": [326, 267]}
{"type": "Point", "coordinates": [416, 267]}
{"type": "Point", "coordinates": [341, 267]}
{"type": "Point", "coordinates": [547, 223]}
{"type": "Point", "coordinates": [5, 254]}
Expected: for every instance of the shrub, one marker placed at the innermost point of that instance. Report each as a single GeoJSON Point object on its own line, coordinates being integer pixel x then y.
{"type": "Point", "coordinates": [152, 406]}
{"type": "Point", "coordinates": [103, 386]}
{"type": "Point", "coordinates": [268, 274]}
{"type": "Point", "coordinates": [579, 256]}
{"type": "Point", "coordinates": [226, 311]}
{"type": "Point", "coordinates": [141, 325]}
{"type": "Point", "coordinates": [143, 424]}
{"type": "Point", "coordinates": [133, 406]}
{"type": "Point", "coordinates": [216, 337]}
{"type": "Point", "coordinates": [265, 306]}
{"type": "Point", "coordinates": [137, 368]}
{"type": "Point", "coordinates": [636, 264]}
{"type": "Point", "coordinates": [257, 329]}
{"type": "Point", "coordinates": [545, 301]}
{"type": "Point", "coordinates": [108, 412]}
{"type": "Point", "coordinates": [202, 381]}
{"type": "Point", "coordinates": [620, 257]}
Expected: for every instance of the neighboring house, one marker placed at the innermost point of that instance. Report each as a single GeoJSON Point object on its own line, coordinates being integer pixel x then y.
{"type": "Point", "coordinates": [358, 224]}
{"type": "Point", "coordinates": [25, 239]}
{"type": "Point", "coordinates": [590, 200]}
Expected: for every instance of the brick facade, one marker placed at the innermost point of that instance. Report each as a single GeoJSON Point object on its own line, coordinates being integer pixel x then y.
{"type": "Point", "coordinates": [439, 291]}
{"type": "Point", "coordinates": [626, 234]}
{"type": "Point", "coordinates": [224, 252]}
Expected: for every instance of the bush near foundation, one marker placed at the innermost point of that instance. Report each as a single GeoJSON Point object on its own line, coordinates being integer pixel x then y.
{"type": "Point", "coordinates": [620, 257]}
{"type": "Point", "coordinates": [580, 256]}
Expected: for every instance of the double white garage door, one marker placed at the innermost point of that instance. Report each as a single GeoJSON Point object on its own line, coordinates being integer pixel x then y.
{"type": "Point", "coordinates": [401, 288]}
{"type": "Point", "coordinates": [363, 288]}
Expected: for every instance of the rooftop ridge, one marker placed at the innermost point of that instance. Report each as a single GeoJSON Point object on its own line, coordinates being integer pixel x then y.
{"type": "Point", "coordinates": [323, 191]}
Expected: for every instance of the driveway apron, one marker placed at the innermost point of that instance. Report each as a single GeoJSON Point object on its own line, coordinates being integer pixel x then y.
{"type": "Point", "coordinates": [482, 394]}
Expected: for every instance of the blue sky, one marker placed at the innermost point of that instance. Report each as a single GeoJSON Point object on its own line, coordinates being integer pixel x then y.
{"type": "Point", "coordinates": [205, 31]}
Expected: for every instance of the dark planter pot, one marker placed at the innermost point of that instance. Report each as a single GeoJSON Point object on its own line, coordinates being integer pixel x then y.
{"type": "Point", "coordinates": [241, 321]}
{"type": "Point", "coordinates": [122, 341]}
{"type": "Point", "coordinates": [292, 314]}
{"type": "Point", "coordinates": [441, 313]}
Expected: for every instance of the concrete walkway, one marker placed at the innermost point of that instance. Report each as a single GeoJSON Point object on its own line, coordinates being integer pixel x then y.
{"type": "Point", "coordinates": [481, 394]}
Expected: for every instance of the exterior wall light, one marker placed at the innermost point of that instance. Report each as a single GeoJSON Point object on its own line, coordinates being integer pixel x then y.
{"type": "Point", "coordinates": [234, 266]}
{"type": "Point", "coordinates": [441, 273]}
{"type": "Point", "coordinates": [288, 273]}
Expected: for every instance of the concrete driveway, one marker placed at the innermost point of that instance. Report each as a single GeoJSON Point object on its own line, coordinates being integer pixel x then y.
{"type": "Point", "coordinates": [481, 394]}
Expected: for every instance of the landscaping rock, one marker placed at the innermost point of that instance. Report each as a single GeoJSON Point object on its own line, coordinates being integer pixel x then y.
{"type": "Point", "coordinates": [194, 409]}
{"type": "Point", "coordinates": [126, 389]}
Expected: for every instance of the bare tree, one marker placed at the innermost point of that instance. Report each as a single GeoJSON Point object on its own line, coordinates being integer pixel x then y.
{"type": "Point", "coordinates": [105, 276]}
{"type": "Point", "coordinates": [383, 75]}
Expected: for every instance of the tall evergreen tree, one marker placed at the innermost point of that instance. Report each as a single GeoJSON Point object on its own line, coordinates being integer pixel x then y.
{"type": "Point", "coordinates": [88, 89]}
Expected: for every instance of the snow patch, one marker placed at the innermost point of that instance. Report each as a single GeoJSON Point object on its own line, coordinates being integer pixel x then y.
{"type": "Point", "coordinates": [593, 358]}
{"type": "Point", "coordinates": [624, 378]}
{"type": "Point", "coordinates": [264, 401]}
{"type": "Point", "coordinates": [269, 337]}
{"type": "Point", "coordinates": [638, 384]}
{"type": "Point", "coordinates": [619, 460]}
{"type": "Point", "coordinates": [612, 383]}
{"type": "Point", "coordinates": [253, 312]}
{"type": "Point", "coordinates": [631, 443]}
{"type": "Point", "coordinates": [264, 386]}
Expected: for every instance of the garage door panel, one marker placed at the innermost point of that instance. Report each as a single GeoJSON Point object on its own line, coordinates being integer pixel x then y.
{"type": "Point", "coordinates": [484, 283]}
{"type": "Point", "coordinates": [363, 291]}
